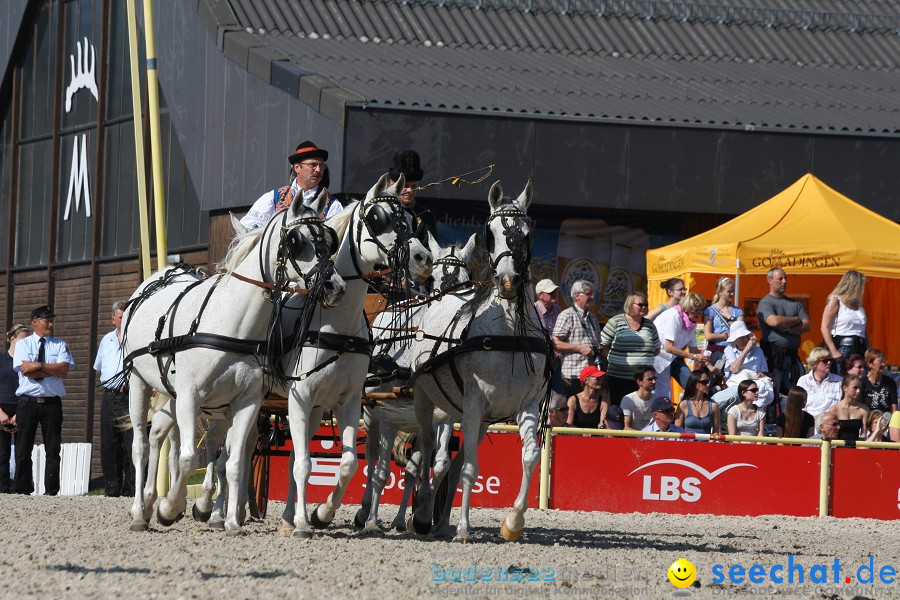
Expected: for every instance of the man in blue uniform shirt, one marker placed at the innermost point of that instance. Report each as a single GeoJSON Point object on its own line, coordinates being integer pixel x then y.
{"type": "Point", "coordinates": [115, 437]}
{"type": "Point", "coordinates": [42, 362]}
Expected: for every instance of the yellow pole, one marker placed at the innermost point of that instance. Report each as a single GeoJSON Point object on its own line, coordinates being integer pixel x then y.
{"type": "Point", "coordinates": [139, 140]}
{"type": "Point", "coordinates": [824, 473]}
{"type": "Point", "coordinates": [159, 200]}
{"type": "Point", "coordinates": [544, 500]}
{"type": "Point", "coordinates": [162, 470]}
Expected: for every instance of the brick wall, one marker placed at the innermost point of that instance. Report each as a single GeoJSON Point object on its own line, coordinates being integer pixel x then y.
{"type": "Point", "coordinates": [72, 306]}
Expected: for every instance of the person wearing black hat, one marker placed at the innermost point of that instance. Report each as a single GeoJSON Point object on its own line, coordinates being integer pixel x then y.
{"type": "Point", "coordinates": [308, 171]}
{"type": "Point", "coordinates": [42, 362]}
{"type": "Point", "coordinates": [406, 162]}
{"type": "Point", "coordinates": [663, 417]}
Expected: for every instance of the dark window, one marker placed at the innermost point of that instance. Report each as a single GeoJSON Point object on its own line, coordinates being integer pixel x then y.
{"type": "Point", "coordinates": [5, 181]}
{"type": "Point", "coordinates": [121, 231]}
{"type": "Point", "coordinates": [35, 161]}
{"type": "Point", "coordinates": [38, 70]}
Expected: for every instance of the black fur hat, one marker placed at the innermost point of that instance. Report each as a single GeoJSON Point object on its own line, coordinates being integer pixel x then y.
{"type": "Point", "coordinates": [407, 163]}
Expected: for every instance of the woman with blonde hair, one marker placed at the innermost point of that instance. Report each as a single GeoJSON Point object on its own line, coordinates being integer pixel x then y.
{"type": "Point", "coordinates": [629, 340]}
{"type": "Point", "coordinates": [720, 315]}
{"type": "Point", "coordinates": [844, 318]}
{"type": "Point", "coordinates": [823, 388]}
{"type": "Point", "coordinates": [677, 330]}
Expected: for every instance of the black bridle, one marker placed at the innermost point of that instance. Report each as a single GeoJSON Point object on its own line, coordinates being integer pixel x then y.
{"type": "Point", "coordinates": [518, 244]}
{"type": "Point", "coordinates": [452, 267]}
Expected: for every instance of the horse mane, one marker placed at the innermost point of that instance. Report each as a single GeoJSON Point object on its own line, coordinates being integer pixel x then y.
{"type": "Point", "coordinates": [240, 247]}
{"type": "Point", "coordinates": [341, 221]}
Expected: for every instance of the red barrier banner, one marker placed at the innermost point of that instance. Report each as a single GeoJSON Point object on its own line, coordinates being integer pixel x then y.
{"type": "Point", "coordinates": [865, 483]}
{"type": "Point", "coordinates": [643, 475]}
{"type": "Point", "coordinates": [499, 472]}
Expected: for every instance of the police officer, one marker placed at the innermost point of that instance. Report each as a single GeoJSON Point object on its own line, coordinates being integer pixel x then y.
{"type": "Point", "coordinates": [42, 362]}
{"type": "Point", "coordinates": [115, 436]}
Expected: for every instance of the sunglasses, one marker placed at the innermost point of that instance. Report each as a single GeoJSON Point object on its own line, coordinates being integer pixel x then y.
{"type": "Point", "coordinates": [704, 381]}
{"type": "Point", "coordinates": [753, 390]}
{"type": "Point", "coordinates": [641, 304]}
{"type": "Point", "coordinates": [827, 360]}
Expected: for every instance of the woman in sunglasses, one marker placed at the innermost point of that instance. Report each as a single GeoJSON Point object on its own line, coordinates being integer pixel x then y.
{"type": "Point", "coordinates": [744, 418]}
{"type": "Point", "coordinates": [697, 413]}
{"type": "Point", "coordinates": [823, 388]}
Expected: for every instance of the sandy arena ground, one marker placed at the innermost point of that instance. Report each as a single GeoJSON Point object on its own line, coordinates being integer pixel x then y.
{"type": "Point", "coordinates": [80, 547]}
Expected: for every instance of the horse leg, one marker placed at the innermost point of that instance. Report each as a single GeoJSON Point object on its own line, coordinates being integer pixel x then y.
{"type": "Point", "coordinates": [202, 509]}
{"type": "Point", "coordinates": [409, 482]}
{"type": "Point", "coordinates": [514, 522]}
{"type": "Point", "coordinates": [245, 499]}
{"type": "Point", "coordinates": [138, 403]}
{"type": "Point", "coordinates": [347, 414]}
{"type": "Point", "coordinates": [244, 418]}
{"type": "Point", "coordinates": [380, 472]}
{"type": "Point", "coordinates": [420, 463]}
{"type": "Point", "coordinates": [471, 425]}
{"type": "Point", "coordinates": [373, 426]}
{"type": "Point", "coordinates": [161, 425]}
{"type": "Point", "coordinates": [442, 527]}
{"type": "Point", "coordinates": [171, 508]}
{"type": "Point", "coordinates": [303, 423]}
{"type": "Point", "coordinates": [286, 527]}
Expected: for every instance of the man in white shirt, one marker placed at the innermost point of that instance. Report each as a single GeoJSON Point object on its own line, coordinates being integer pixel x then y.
{"type": "Point", "coordinates": [308, 165]}
{"type": "Point", "coordinates": [115, 438]}
{"type": "Point", "coordinates": [636, 405]}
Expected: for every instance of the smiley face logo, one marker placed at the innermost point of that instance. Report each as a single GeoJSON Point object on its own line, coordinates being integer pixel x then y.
{"type": "Point", "coordinates": [682, 573]}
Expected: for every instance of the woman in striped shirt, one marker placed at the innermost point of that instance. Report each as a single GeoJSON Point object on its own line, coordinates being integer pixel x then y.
{"type": "Point", "coordinates": [629, 340]}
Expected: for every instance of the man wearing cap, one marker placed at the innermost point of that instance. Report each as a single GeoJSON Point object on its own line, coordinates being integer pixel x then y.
{"type": "Point", "coordinates": [42, 362]}
{"type": "Point", "coordinates": [614, 418]}
{"type": "Point", "coordinates": [547, 308]}
{"type": "Point", "coordinates": [422, 221]}
{"type": "Point", "coordinates": [308, 169]}
{"type": "Point", "coordinates": [663, 416]}
{"type": "Point", "coordinates": [115, 439]}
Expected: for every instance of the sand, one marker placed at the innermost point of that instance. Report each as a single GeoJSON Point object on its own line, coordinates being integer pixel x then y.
{"type": "Point", "coordinates": [80, 547]}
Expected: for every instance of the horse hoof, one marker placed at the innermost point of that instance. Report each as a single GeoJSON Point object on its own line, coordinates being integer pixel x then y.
{"type": "Point", "coordinates": [217, 525]}
{"type": "Point", "coordinates": [199, 515]}
{"type": "Point", "coordinates": [180, 516]}
{"type": "Point", "coordinates": [508, 534]}
{"type": "Point", "coordinates": [139, 527]}
{"type": "Point", "coordinates": [164, 521]}
{"type": "Point", "coordinates": [315, 521]}
{"type": "Point", "coordinates": [421, 527]}
{"type": "Point", "coordinates": [235, 533]}
{"type": "Point", "coordinates": [359, 521]}
{"type": "Point", "coordinates": [303, 534]}
{"type": "Point", "coordinates": [285, 529]}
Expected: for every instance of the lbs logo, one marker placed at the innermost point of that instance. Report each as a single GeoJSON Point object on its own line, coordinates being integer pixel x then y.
{"type": "Point", "coordinates": [669, 488]}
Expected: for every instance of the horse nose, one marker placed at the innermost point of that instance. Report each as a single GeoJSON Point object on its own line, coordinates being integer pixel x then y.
{"type": "Point", "coordinates": [332, 289]}
{"type": "Point", "coordinates": [423, 259]}
{"type": "Point", "coordinates": [515, 279]}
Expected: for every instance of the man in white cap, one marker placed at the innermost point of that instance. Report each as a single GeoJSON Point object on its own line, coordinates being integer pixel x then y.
{"type": "Point", "coordinates": [546, 305]}
{"type": "Point", "coordinates": [742, 352]}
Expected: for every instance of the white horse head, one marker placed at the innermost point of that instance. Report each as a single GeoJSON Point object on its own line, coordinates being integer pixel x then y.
{"type": "Point", "coordinates": [454, 264]}
{"type": "Point", "coordinates": [508, 240]}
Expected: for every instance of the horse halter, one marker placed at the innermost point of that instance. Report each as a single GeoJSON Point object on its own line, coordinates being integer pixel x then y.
{"type": "Point", "coordinates": [378, 220]}
{"type": "Point", "coordinates": [323, 240]}
{"type": "Point", "coordinates": [452, 268]}
{"type": "Point", "coordinates": [517, 242]}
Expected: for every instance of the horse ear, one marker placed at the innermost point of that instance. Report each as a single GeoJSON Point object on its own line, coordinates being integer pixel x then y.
{"type": "Point", "coordinates": [318, 204]}
{"type": "Point", "coordinates": [524, 199]}
{"type": "Point", "coordinates": [379, 187]}
{"type": "Point", "coordinates": [466, 253]}
{"type": "Point", "coordinates": [398, 186]}
{"type": "Point", "coordinates": [433, 245]}
{"type": "Point", "coordinates": [239, 228]}
{"type": "Point", "coordinates": [495, 196]}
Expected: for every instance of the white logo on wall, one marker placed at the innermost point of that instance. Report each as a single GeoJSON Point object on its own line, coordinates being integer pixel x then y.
{"type": "Point", "coordinates": [83, 78]}
{"type": "Point", "coordinates": [671, 488]}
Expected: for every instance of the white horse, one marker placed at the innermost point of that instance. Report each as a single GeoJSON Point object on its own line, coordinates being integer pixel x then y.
{"type": "Point", "coordinates": [452, 267]}
{"type": "Point", "coordinates": [499, 371]}
{"type": "Point", "coordinates": [199, 339]}
{"type": "Point", "coordinates": [331, 368]}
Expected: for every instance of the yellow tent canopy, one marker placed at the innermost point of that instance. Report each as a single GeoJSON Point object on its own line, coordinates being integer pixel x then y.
{"type": "Point", "coordinates": [809, 230]}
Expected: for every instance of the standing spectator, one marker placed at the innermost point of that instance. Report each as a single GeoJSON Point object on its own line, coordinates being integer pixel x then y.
{"type": "Point", "coordinates": [676, 329]}
{"type": "Point", "coordinates": [9, 381]}
{"type": "Point", "coordinates": [614, 418]}
{"type": "Point", "coordinates": [663, 415]}
{"type": "Point", "coordinates": [719, 317]}
{"type": "Point", "coordinates": [844, 319]}
{"type": "Point", "coordinates": [823, 388]}
{"type": "Point", "coordinates": [577, 336]}
{"type": "Point", "coordinates": [782, 321]}
{"type": "Point", "coordinates": [696, 412]}
{"type": "Point", "coordinates": [829, 427]}
{"type": "Point", "coordinates": [675, 290]}
{"type": "Point", "coordinates": [854, 365]}
{"type": "Point", "coordinates": [795, 422]}
{"type": "Point", "coordinates": [878, 391]}
{"type": "Point", "coordinates": [586, 408]}
{"type": "Point", "coordinates": [744, 418]}
{"type": "Point", "coordinates": [628, 340]}
{"type": "Point", "coordinates": [636, 405]}
{"type": "Point", "coordinates": [115, 438]}
{"type": "Point", "coordinates": [547, 308]}
{"type": "Point", "coordinates": [851, 413]}
{"type": "Point", "coordinates": [742, 352]}
{"type": "Point", "coordinates": [42, 361]}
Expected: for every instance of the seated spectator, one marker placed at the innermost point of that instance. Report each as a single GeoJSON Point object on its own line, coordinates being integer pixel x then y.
{"type": "Point", "coordinates": [636, 405]}
{"type": "Point", "coordinates": [829, 427]}
{"type": "Point", "coordinates": [663, 414]}
{"type": "Point", "coordinates": [586, 408]}
{"type": "Point", "coordinates": [823, 388]}
{"type": "Point", "coordinates": [697, 413]}
{"type": "Point", "coordinates": [878, 426]}
{"type": "Point", "coordinates": [894, 427]}
{"type": "Point", "coordinates": [676, 328]}
{"type": "Point", "coordinates": [795, 422]}
{"type": "Point", "coordinates": [675, 290]}
{"type": "Point", "coordinates": [878, 392]}
{"type": "Point", "coordinates": [854, 365]}
{"type": "Point", "coordinates": [744, 418]}
{"type": "Point", "coordinates": [628, 340]}
{"type": "Point", "coordinates": [614, 418]}
{"type": "Point", "coordinates": [743, 352]}
{"type": "Point", "coordinates": [720, 317]}
{"type": "Point", "coordinates": [851, 413]}
{"type": "Point", "coordinates": [558, 410]}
